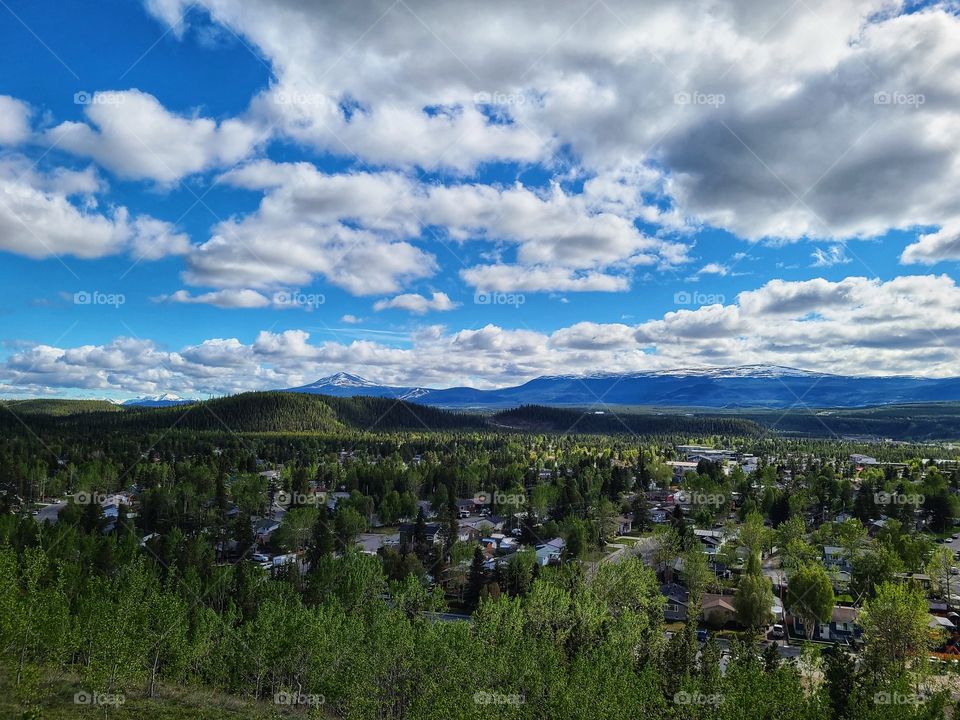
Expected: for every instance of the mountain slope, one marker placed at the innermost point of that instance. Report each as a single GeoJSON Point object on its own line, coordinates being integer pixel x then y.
{"type": "Point", "coordinates": [255, 412]}
{"type": "Point", "coordinates": [164, 400]}
{"type": "Point", "coordinates": [748, 386]}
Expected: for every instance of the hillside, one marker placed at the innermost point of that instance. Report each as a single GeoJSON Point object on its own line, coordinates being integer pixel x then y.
{"type": "Point", "coordinates": [249, 412]}
{"type": "Point", "coordinates": [59, 406]}
{"type": "Point", "coordinates": [538, 418]}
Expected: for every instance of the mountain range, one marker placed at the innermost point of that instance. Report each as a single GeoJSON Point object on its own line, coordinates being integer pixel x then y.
{"type": "Point", "coordinates": [745, 386]}
{"type": "Point", "coordinates": [164, 400]}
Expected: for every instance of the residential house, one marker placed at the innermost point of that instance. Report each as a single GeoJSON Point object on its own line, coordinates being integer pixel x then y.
{"type": "Point", "coordinates": [837, 558]}
{"type": "Point", "coordinates": [335, 498]}
{"type": "Point", "coordinates": [842, 627]}
{"type": "Point", "coordinates": [550, 551]}
{"type": "Point", "coordinates": [263, 529]}
{"type": "Point", "coordinates": [681, 468]}
{"type": "Point", "coordinates": [468, 506]}
{"type": "Point", "coordinates": [478, 527]}
{"type": "Point", "coordinates": [677, 598]}
{"type": "Point", "coordinates": [434, 533]}
{"type": "Point", "coordinates": [718, 610]}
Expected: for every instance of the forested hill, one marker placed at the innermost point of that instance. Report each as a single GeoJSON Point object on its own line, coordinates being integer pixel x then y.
{"type": "Point", "coordinates": [59, 406]}
{"type": "Point", "coordinates": [540, 418]}
{"type": "Point", "coordinates": [248, 412]}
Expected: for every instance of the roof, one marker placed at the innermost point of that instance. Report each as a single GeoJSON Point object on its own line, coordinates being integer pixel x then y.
{"type": "Point", "coordinates": [941, 622]}
{"type": "Point", "coordinates": [844, 614]}
{"type": "Point", "coordinates": [410, 528]}
{"type": "Point", "coordinates": [711, 601]}
{"type": "Point", "coordinates": [676, 592]}
{"type": "Point", "coordinates": [556, 545]}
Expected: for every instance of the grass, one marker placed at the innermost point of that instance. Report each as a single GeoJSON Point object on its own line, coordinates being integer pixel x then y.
{"type": "Point", "coordinates": [54, 699]}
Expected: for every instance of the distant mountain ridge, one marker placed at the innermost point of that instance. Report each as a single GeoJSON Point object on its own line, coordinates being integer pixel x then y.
{"type": "Point", "coordinates": [744, 386]}
{"type": "Point", "coordinates": [164, 400]}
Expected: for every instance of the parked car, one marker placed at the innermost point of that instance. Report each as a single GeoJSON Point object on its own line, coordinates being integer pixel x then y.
{"type": "Point", "coordinates": [776, 632]}
{"type": "Point", "coordinates": [702, 635]}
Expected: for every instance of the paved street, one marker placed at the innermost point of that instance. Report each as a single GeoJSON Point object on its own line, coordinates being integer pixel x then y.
{"type": "Point", "coordinates": [50, 513]}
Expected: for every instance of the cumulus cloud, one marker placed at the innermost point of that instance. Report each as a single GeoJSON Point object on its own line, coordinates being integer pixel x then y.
{"type": "Point", "coordinates": [242, 298]}
{"type": "Point", "coordinates": [14, 120]}
{"type": "Point", "coordinates": [934, 247]}
{"type": "Point", "coordinates": [813, 120]}
{"type": "Point", "coordinates": [417, 304]}
{"type": "Point", "coordinates": [907, 325]}
{"type": "Point", "coordinates": [357, 230]}
{"type": "Point", "coordinates": [44, 214]}
{"type": "Point", "coordinates": [131, 134]}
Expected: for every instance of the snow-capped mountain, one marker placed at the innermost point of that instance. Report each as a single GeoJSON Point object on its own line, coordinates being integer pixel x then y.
{"type": "Point", "coordinates": [745, 386]}
{"type": "Point", "coordinates": [157, 400]}
{"type": "Point", "coordinates": [344, 384]}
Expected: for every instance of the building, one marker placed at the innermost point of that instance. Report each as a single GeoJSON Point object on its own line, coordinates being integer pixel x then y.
{"type": "Point", "coordinates": [718, 610]}
{"type": "Point", "coordinates": [550, 551]}
{"type": "Point", "coordinates": [677, 598]}
{"type": "Point", "coordinates": [433, 531]}
{"type": "Point", "coordinates": [842, 627]}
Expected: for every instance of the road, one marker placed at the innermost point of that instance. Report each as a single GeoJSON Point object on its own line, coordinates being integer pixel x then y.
{"type": "Point", "coordinates": [50, 513]}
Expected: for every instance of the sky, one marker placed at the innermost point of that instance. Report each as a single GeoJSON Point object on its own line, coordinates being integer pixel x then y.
{"type": "Point", "coordinates": [224, 195]}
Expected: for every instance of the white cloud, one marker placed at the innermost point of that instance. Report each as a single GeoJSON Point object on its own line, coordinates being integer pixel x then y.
{"type": "Point", "coordinates": [351, 319]}
{"type": "Point", "coordinates": [759, 120]}
{"type": "Point", "coordinates": [833, 255]}
{"type": "Point", "coordinates": [242, 298]}
{"type": "Point", "coordinates": [131, 134]}
{"type": "Point", "coordinates": [713, 269]}
{"type": "Point", "coordinates": [14, 120]}
{"type": "Point", "coordinates": [934, 247]}
{"type": "Point", "coordinates": [39, 217]}
{"type": "Point", "coordinates": [356, 230]}
{"type": "Point", "coordinates": [417, 304]}
{"type": "Point", "coordinates": [907, 325]}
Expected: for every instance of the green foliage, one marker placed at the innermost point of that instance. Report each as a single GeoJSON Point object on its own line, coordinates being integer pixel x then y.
{"type": "Point", "coordinates": [810, 596]}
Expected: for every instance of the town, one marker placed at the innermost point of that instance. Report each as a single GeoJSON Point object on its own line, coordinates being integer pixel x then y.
{"type": "Point", "coordinates": [789, 547]}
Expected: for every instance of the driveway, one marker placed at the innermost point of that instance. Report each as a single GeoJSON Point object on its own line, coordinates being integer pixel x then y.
{"type": "Point", "coordinates": [50, 513]}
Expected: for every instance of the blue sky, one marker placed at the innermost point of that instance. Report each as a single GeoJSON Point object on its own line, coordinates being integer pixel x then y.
{"type": "Point", "coordinates": [217, 196]}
